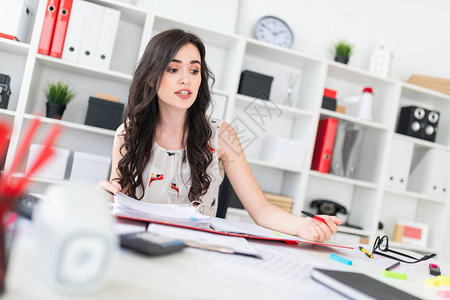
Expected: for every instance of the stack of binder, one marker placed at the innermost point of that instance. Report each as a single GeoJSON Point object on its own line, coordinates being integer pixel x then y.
{"type": "Point", "coordinates": [284, 202]}
{"type": "Point", "coordinates": [79, 31]}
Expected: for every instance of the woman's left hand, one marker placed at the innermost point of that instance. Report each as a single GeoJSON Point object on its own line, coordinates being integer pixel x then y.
{"type": "Point", "coordinates": [317, 231]}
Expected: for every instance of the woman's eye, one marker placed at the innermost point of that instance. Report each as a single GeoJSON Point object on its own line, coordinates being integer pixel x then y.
{"type": "Point", "coordinates": [194, 71]}
{"type": "Point", "coordinates": [171, 70]}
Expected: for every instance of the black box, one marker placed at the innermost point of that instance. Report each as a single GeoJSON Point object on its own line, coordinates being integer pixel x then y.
{"type": "Point", "coordinates": [329, 103]}
{"type": "Point", "coordinates": [5, 90]}
{"type": "Point", "coordinates": [103, 113]}
{"type": "Point", "coordinates": [255, 85]}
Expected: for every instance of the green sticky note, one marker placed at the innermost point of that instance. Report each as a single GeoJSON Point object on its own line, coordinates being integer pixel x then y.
{"type": "Point", "coordinates": [396, 275]}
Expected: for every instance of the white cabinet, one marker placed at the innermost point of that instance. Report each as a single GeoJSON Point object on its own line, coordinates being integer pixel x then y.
{"type": "Point", "coordinates": [293, 112]}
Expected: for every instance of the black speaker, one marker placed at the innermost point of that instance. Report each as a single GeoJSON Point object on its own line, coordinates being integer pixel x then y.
{"type": "Point", "coordinates": [418, 122]}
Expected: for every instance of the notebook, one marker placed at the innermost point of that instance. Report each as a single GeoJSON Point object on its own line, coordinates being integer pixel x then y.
{"type": "Point", "coordinates": [358, 286]}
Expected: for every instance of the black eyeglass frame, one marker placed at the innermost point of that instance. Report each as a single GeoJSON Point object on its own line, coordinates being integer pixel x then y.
{"type": "Point", "coordinates": [380, 240]}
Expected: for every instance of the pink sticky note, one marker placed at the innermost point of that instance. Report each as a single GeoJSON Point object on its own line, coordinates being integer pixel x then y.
{"type": "Point", "coordinates": [443, 294]}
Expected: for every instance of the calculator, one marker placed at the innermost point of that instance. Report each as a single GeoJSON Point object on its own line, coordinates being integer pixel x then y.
{"type": "Point", "coordinates": [150, 244]}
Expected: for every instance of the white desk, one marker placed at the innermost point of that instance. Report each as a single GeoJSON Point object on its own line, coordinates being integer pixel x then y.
{"type": "Point", "coordinates": [194, 274]}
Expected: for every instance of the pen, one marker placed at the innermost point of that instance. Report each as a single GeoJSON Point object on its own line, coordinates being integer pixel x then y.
{"type": "Point", "coordinates": [308, 214]}
{"type": "Point", "coordinates": [393, 266]}
{"type": "Point", "coordinates": [366, 252]}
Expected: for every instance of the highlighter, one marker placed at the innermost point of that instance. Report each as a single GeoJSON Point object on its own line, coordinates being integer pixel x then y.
{"type": "Point", "coordinates": [396, 275]}
{"type": "Point", "coordinates": [340, 259]}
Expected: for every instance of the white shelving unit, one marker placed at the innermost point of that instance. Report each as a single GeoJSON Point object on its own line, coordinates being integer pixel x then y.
{"type": "Point", "coordinates": [365, 196]}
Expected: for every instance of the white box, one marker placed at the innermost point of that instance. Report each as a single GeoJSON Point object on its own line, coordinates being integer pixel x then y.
{"type": "Point", "coordinates": [15, 19]}
{"type": "Point", "coordinates": [283, 151]}
{"type": "Point", "coordinates": [55, 168]}
{"type": "Point", "coordinates": [431, 175]}
{"type": "Point", "coordinates": [399, 164]}
{"type": "Point", "coordinates": [89, 168]}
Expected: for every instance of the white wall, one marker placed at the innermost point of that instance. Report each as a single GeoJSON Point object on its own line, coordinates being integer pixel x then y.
{"type": "Point", "coordinates": [417, 31]}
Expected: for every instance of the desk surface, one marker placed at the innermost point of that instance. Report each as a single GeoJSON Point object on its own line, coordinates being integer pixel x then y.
{"type": "Point", "coordinates": [197, 274]}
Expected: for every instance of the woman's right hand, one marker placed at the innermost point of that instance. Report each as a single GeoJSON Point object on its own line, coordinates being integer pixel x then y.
{"type": "Point", "coordinates": [111, 187]}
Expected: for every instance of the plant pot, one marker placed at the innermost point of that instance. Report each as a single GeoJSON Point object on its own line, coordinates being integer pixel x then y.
{"type": "Point", "coordinates": [54, 110]}
{"type": "Point", "coordinates": [341, 59]}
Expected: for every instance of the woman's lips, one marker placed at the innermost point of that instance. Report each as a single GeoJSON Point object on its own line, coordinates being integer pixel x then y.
{"type": "Point", "coordinates": [184, 94]}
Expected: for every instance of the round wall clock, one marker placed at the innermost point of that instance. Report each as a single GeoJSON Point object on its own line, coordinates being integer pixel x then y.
{"type": "Point", "coordinates": [274, 31]}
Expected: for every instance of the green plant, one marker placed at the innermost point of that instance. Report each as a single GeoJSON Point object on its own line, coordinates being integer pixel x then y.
{"type": "Point", "coordinates": [59, 93]}
{"type": "Point", "coordinates": [343, 48]}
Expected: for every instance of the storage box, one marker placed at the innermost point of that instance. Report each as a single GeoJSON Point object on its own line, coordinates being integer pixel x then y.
{"type": "Point", "coordinates": [89, 168]}
{"type": "Point", "coordinates": [283, 151]}
{"type": "Point", "coordinates": [400, 160]}
{"type": "Point", "coordinates": [103, 113]}
{"type": "Point", "coordinates": [55, 168]}
{"type": "Point", "coordinates": [15, 19]}
{"type": "Point", "coordinates": [255, 85]}
{"type": "Point", "coordinates": [438, 84]}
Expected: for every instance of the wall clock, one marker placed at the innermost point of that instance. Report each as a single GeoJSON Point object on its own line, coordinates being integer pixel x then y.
{"type": "Point", "coordinates": [274, 31]}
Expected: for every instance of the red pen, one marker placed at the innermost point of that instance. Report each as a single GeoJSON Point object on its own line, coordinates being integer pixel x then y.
{"type": "Point", "coordinates": [308, 214]}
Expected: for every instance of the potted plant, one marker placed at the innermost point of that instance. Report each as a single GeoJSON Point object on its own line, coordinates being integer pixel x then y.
{"type": "Point", "coordinates": [58, 96]}
{"type": "Point", "coordinates": [342, 51]}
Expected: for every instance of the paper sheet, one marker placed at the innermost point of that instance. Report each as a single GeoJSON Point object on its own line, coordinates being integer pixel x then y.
{"type": "Point", "coordinates": [238, 244]}
{"type": "Point", "coordinates": [284, 269]}
{"type": "Point", "coordinates": [188, 215]}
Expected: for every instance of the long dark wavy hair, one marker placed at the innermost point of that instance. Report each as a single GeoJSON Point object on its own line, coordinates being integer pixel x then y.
{"type": "Point", "coordinates": [142, 112]}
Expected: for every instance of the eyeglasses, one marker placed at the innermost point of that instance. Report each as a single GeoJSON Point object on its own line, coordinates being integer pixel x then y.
{"type": "Point", "coordinates": [382, 244]}
{"type": "Point", "coordinates": [202, 208]}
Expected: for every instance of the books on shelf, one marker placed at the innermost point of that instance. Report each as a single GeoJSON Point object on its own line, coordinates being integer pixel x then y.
{"type": "Point", "coordinates": [284, 202]}
{"type": "Point", "coordinates": [438, 84]}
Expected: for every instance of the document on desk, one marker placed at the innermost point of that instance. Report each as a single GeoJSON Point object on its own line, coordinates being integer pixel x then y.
{"type": "Point", "coordinates": [238, 245]}
{"type": "Point", "coordinates": [131, 208]}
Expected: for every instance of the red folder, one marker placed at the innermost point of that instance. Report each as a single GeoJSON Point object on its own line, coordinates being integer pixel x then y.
{"type": "Point", "coordinates": [323, 149]}
{"type": "Point", "coordinates": [59, 35]}
{"type": "Point", "coordinates": [48, 27]}
{"type": "Point", "coordinates": [236, 234]}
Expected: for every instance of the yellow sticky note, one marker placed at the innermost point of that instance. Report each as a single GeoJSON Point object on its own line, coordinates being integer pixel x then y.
{"type": "Point", "coordinates": [432, 282]}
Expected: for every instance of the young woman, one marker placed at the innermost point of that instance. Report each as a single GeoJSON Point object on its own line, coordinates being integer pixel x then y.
{"type": "Point", "coordinates": [169, 151]}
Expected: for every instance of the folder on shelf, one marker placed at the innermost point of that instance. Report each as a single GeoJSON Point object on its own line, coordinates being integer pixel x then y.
{"type": "Point", "coordinates": [62, 20]}
{"type": "Point", "coordinates": [107, 37]}
{"type": "Point", "coordinates": [323, 149]}
{"type": "Point", "coordinates": [129, 208]}
{"type": "Point", "coordinates": [91, 33]}
{"type": "Point", "coordinates": [399, 164]}
{"type": "Point", "coordinates": [75, 30]}
{"type": "Point", "coordinates": [48, 27]}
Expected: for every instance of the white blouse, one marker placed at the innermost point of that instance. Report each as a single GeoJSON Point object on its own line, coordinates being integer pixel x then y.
{"type": "Point", "coordinates": [167, 177]}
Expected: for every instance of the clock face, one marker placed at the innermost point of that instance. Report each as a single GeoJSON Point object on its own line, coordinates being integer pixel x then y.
{"type": "Point", "coordinates": [274, 31]}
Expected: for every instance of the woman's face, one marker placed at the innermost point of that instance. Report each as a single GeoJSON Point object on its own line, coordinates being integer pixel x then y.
{"type": "Point", "coordinates": [181, 79]}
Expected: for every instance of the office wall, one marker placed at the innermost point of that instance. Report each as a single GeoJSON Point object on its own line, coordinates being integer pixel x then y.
{"type": "Point", "coordinates": [417, 31]}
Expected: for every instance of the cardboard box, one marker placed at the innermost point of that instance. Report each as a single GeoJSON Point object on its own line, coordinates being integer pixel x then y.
{"type": "Point", "coordinates": [15, 20]}
{"type": "Point", "coordinates": [89, 168]}
{"type": "Point", "coordinates": [438, 84]}
{"type": "Point", "coordinates": [55, 168]}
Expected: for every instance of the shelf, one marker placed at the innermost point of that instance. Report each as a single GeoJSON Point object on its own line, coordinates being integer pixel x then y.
{"type": "Point", "coordinates": [421, 143]}
{"type": "Point", "coordinates": [14, 46]}
{"type": "Point", "coordinates": [81, 127]}
{"type": "Point", "coordinates": [67, 66]}
{"type": "Point", "coordinates": [412, 247]}
{"type": "Point", "coordinates": [129, 13]}
{"type": "Point", "coordinates": [357, 75]}
{"type": "Point", "coordinates": [352, 119]}
{"type": "Point", "coordinates": [346, 180]}
{"type": "Point", "coordinates": [414, 195]}
{"type": "Point", "coordinates": [7, 112]}
{"type": "Point", "coordinates": [422, 90]}
{"type": "Point", "coordinates": [290, 111]}
{"type": "Point", "coordinates": [261, 163]}
{"type": "Point", "coordinates": [50, 181]}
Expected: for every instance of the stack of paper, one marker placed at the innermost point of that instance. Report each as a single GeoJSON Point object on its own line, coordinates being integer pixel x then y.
{"type": "Point", "coordinates": [125, 206]}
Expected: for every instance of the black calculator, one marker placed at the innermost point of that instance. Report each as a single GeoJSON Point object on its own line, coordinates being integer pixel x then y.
{"type": "Point", "coordinates": [150, 244]}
